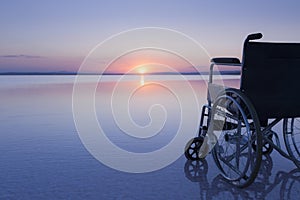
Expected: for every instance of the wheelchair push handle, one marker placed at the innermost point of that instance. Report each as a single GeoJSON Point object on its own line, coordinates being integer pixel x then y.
{"type": "Point", "coordinates": [254, 36]}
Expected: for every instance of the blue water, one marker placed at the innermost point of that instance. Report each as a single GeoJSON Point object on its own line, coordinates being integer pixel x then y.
{"type": "Point", "coordinates": [42, 156]}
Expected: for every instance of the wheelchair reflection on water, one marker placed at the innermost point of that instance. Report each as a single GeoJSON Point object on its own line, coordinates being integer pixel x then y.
{"type": "Point", "coordinates": [289, 182]}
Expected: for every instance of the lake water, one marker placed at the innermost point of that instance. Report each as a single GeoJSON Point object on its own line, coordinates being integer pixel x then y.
{"type": "Point", "coordinates": [45, 153]}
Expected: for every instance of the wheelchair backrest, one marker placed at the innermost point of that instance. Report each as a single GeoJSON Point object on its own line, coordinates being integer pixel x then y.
{"type": "Point", "coordinates": [271, 78]}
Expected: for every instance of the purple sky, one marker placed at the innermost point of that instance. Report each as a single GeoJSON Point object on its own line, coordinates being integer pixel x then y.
{"type": "Point", "coordinates": [57, 35]}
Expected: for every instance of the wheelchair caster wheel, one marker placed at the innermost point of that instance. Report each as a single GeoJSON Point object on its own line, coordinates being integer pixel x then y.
{"type": "Point", "coordinates": [192, 148]}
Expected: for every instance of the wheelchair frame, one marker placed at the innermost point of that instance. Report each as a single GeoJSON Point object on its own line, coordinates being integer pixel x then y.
{"type": "Point", "coordinates": [242, 119]}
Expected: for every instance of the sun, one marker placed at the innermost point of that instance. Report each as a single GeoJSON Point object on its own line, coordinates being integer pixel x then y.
{"type": "Point", "coordinates": [142, 70]}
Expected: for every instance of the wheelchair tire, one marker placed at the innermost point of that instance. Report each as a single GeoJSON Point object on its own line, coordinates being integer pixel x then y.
{"type": "Point", "coordinates": [233, 154]}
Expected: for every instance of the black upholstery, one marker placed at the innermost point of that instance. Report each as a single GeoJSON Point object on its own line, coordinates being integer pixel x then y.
{"type": "Point", "coordinates": [271, 78]}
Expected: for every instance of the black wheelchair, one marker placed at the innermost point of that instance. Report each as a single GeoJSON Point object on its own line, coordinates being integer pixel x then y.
{"type": "Point", "coordinates": [238, 123]}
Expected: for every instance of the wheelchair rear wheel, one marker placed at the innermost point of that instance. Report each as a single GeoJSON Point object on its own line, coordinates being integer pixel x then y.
{"type": "Point", "coordinates": [234, 153]}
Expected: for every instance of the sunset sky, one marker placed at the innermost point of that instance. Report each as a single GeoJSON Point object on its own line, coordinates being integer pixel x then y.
{"type": "Point", "coordinates": [46, 36]}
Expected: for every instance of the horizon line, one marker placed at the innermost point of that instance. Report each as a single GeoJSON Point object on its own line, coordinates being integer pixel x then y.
{"type": "Point", "coordinates": [228, 72]}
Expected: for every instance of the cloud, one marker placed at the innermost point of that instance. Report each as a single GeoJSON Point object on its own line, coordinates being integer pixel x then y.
{"type": "Point", "coordinates": [20, 56]}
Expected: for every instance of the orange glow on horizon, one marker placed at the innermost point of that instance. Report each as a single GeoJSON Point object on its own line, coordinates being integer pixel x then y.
{"type": "Point", "coordinates": [148, 62]}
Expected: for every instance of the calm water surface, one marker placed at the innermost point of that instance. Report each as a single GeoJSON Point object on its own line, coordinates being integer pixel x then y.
{"type": "Point", "coordinates": [42, 156]}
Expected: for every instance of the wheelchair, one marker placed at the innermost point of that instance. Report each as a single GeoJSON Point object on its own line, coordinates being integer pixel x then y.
{"type": "Point", "coordinates": [236, 124]}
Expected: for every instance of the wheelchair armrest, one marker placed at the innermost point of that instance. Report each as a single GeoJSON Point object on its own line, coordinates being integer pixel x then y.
{"type": "Point", "coordinates": [222, 61]}
{"type": "Point", "coordinates": [226, 61]}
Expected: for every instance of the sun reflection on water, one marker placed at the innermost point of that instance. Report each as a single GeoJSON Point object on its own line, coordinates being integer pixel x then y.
{"type": "Point", "coordinates": [142, 80]}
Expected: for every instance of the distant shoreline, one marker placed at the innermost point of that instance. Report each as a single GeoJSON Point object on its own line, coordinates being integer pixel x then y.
{"type": "Point", "coordinates": [112, 74]}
